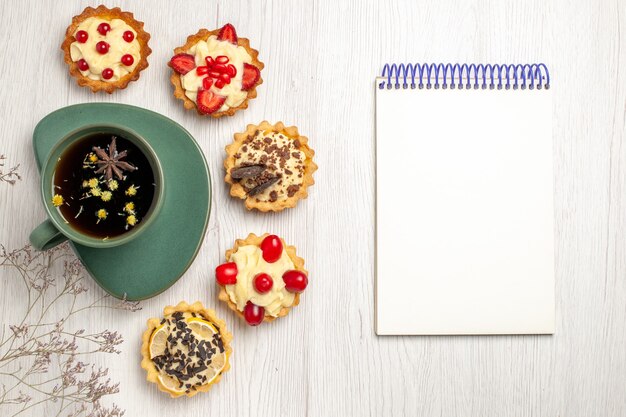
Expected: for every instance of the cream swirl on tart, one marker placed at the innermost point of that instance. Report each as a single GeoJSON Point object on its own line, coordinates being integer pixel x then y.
{"type": "Point", "coordinates": [235, 56]}
{"type": "Point", "coordinates": [249, 260]}
{"type": "Point", "coordinates": [105, 50]}
{"type": "Point", "coordinates": [262, 278]}
{"type": "Point", "coordinates": [216, 72]}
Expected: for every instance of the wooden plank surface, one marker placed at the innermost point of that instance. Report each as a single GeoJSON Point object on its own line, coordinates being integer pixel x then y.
{"type": "Point", "coordinates": [321, 58]}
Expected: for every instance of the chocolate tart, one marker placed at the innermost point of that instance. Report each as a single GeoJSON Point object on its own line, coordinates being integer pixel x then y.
{"type": "Point", "coordinates": [188, 342]}
{"type": "Point", "coordinates": [269, 166]}
{"type": "Point", "coordinates": [84, 59]}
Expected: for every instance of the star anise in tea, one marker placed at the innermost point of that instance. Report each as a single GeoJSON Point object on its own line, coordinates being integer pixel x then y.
{"type": "Point", "coordinates": [112, 163]}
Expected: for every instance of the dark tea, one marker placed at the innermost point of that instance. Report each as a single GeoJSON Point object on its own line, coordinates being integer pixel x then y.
{"type": "Point", "coordinates": [103, 185]}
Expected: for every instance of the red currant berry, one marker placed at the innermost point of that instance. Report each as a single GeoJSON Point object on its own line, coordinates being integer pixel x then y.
{"type": "Point", "coordinates": [82, 65]}
{"type": "Point", "coordinates": [253, 314]}
{"type": "Point", "coordinates": [107, 73]}
{"type": "Point", "coordinates": [295, 281]}
{"type": "Point", "coordinates": [272, 248]}
{"type": "Point", "coordinates": [103, 28]}
{"type": "Point", "coordinates": [231, 70]}
{"type": "Point", "coordinates": [263, 283]}
{"type": "Point", "coordinates": [207, 82]}
{"type": "Point", "coordinates": [102, 47]}
{"type": "Point", "coordinates": [202, 70]}
{"type": "Point", "coordinates": [128, 36]}
{"type": "Point", "coordinates": [82, 36]}
{"type": "Point", "coordinates": [128, 60]}
{"type": "Point", "coordinates": [226, 274]}
{"type": "Point", "coordinates": [220, 83]}
{"type": "Point", "coordinates": [221, 59]}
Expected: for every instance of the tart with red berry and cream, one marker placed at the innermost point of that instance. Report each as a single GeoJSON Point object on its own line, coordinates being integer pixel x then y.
{"type": "Point", "coordinates": [106, 49]}
{"type": "Point", "coordinates": [262, 278]}
{"type": "Point", "coordinates": [269, 166]}
{"type": "Point", "coordinates": [216, 72]}
{"type": "Point", "coordinates": [187, 350]}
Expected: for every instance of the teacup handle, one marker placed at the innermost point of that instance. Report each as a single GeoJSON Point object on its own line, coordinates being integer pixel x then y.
{"type": "Point", "coordinates": [46, 236]}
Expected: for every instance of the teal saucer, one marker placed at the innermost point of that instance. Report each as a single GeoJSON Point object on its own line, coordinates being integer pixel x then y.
{"type": "Point", "coordinates": [154, 261]}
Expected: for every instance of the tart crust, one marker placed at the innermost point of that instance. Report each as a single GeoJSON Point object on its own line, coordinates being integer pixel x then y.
{"type": "Point", "coordinates": [105, 13]}
{"type": "Point", "coordinates": [255, 240]}
{"type": "Point", "coordinates": [153, 323]}
{"type": "Point", "coordinates": [237, 190]}
{"type": "Point", "coordinates": [179, 91]}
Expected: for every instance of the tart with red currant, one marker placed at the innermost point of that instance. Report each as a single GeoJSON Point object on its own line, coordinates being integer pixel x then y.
{"type": "Point", "coordinates": [106, 49]}
{"type": "Point", "coordinates": [262, 278]}
{"type": "Point", "coordinates": [187, 350]}
{"type": "Point", "coordinates": [216, 72]}
{"type": "Point", "coordinates": [269, 166]}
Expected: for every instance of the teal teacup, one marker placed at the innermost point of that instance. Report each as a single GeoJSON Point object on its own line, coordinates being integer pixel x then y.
{"type": "Point", "coordinates": [57, 228]}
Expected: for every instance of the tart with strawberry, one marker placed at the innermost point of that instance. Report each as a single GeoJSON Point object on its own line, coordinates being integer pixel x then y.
{"type": "Point", "coordinates": [187, 350]}
{"type": "Point", "coordinates": [269, 166]}
{"type": "Point", "coordinates": [262, 278]}
{"type": "Point", "coordinates": [106, 49]}
{"type": "Point", "coordinates": [216, 72]}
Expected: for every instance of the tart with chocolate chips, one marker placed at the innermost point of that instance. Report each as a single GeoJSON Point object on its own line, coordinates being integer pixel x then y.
{"type": "Point", "coordinates": [269, 166]}
{"type": "Point", "coordinates": [106, 49]}
{"type": "Point", "coordinates": [187, 350]}
{"type": "Point", "coordinates": [216, 72]}
{"type": "Point", "coordinates": [262, 278]}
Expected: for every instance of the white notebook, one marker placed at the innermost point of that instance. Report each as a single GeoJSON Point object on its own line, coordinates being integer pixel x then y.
{"type": "Point", "coordinates": [464, 200]}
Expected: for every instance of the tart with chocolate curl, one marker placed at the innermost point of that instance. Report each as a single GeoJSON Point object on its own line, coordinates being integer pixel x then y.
{"type": "Point", "coordinates": [187, 350]}
{"type": "Point", "coordinates": [216, 72]}
{"type": "Point", "coordinates": [106, 49]}
{"type": "Point", "coordinates": [269, 166]}
{"type": "Point", "coordinates": [262, 278]}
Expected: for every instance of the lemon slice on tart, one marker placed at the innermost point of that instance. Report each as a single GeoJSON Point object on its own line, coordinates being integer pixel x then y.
{"type": "Point", "coordinates": [202, 327]}
{"type": "Point", "coordinates": [187, 350]}
{"type": "Point", "coordinates": [205, 330]}
{"type": "Point", "coordinates": [158, 341]}
{"type": "Point", "coordinates": [171, 385]}
{"type": "Point", "coordinates": [217, 365]}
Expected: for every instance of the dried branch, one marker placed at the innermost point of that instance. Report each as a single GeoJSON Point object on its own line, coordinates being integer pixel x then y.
{"type": "Point", "coordinates": [39, 356]}
{"type": "Point", "coordinates": [10, 177]}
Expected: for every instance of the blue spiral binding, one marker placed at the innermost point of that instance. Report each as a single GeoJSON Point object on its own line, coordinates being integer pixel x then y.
{"type": "Point", "coordinates": [483, 76]}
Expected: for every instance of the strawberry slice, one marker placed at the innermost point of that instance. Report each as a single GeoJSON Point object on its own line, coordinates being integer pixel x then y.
{"type": "Point", "coordinates": [182, 63]}
{"type": "Point", "coordinates": [251, 75]}
{"type": "Point", "coordinates": [228, 33]}
{"type": "Point", "coordinates": [209, 102]}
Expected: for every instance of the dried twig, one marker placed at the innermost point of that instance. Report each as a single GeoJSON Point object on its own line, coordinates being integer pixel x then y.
{"type": "Point", "coordinates": [10, 177]}
{"type": "Point", "coordinates": [40, 357]}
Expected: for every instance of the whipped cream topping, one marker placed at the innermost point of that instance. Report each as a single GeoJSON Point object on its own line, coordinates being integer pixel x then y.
{"type": "Point", "coordinates": [237, 55]}
{"type": "Point", "coordinates": [250, 262]}
{"type": "Point", "coordinates": [118, 47]}
{"type": "Point", "coordinates": [282, 157]}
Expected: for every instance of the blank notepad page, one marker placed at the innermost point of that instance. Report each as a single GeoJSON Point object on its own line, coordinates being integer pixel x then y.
{"type": "Point", "coordinates": [464, 212]}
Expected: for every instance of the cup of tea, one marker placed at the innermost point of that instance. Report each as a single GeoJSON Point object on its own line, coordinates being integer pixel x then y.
{"type": "Point", "coordinates": [102, 186]}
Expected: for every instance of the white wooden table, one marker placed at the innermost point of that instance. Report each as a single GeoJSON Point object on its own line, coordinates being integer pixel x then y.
{"type": "Point", "coordinates": [321, 58]}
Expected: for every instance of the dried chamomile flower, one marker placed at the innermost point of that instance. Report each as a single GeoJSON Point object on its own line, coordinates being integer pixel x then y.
{"type": "Point", "coordinates": [101, 214]}
{"type": "Point", "coordinates": [57, 200]}
{"type": "Point", "coordinates": [106, 196]}
{"type": "Point", "coordinates": [131, 191]}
